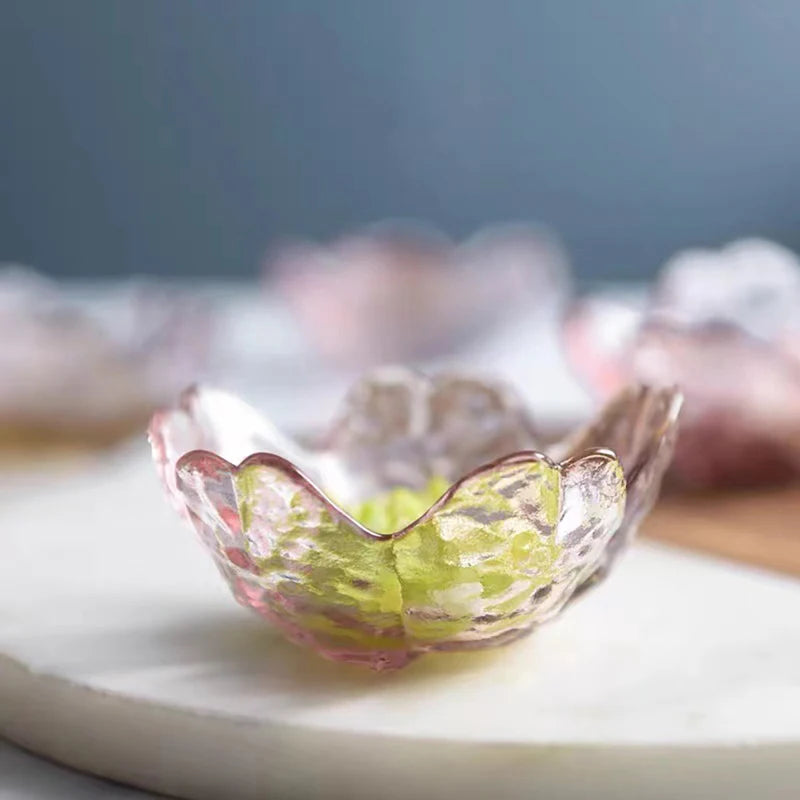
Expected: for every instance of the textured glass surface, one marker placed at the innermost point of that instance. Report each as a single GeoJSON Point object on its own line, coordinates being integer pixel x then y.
{"type": "Point", "coordinates": [432, 563]}
{"type": "Point", "coordinates": [640, 426]}
{"type": "Point", "coordinates": [725, 327]}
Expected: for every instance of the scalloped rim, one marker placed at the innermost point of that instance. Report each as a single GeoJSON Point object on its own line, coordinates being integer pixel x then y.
{"type": "Point", "coordinates": [398, 374]}
{"type": "Point", "coordinates": [272, 460]}
{"type": "Point", "coordinates": [650, 319]}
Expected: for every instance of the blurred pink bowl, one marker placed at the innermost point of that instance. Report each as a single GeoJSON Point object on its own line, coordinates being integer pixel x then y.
{"type": "Point", "coordinates": [724, 326]}
{"type": "Point", "coordinates": [394, 292]}
{"type": "Point", "coordinates": [91, 370]}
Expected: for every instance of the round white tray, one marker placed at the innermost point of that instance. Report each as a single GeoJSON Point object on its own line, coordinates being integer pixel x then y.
{"type": "Point", "coordinates": [122, 654]}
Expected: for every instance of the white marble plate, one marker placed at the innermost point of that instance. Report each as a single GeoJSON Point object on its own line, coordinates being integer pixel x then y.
{"type": "Point", "coordinates": [122, 654]}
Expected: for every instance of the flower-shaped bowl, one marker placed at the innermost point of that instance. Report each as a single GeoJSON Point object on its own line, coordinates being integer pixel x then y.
{"type": "Point", "coordinates": [89, 367]}
{"type": "Point", "coordinates": [398, 291]}
{"type": "Point", "coordinates": [426, 519]}
{"type": "Point", "coordinates": [725, 327]}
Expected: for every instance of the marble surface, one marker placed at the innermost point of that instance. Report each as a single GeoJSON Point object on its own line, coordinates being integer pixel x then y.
{"type": "Point", "coordinates": [24, 776]}
{"type": "Point", "coordinates": [121, 652]}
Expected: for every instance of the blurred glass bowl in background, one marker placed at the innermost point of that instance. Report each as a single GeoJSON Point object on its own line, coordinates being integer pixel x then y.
{"type": "Point", "coordinates": [402, 291]}
{"type": "Point", "coordinates": [725, 326]}
{"type": "Point", "coordinates": [83, 366]}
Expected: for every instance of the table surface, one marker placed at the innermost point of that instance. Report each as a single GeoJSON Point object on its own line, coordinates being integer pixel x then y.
{"type": "Point", "coordinates": [756, 527]}
{"type": "Point", "coordinates": [24, 775]}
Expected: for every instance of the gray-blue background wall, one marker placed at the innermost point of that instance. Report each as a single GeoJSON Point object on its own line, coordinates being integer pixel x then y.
{"type": "Point", "coordinates": [179, 137]}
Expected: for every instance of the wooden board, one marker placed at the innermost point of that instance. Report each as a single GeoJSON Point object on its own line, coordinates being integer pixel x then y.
{"type": "Point", "coordinates": [759, 527]}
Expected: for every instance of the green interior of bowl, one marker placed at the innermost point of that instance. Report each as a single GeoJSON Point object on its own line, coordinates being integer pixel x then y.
{"type": "Point", "coordinates": [393, 510]}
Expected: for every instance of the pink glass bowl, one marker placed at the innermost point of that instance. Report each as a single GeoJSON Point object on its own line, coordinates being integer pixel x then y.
{"type": "Point", "coordinates": [512, 537]}
{"type": "Point", "coordinates": [725, 327]}
{"type": "Point", "coordinates": [90, 366]}
{"type": "Point", "coordinates": [395, 292]}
